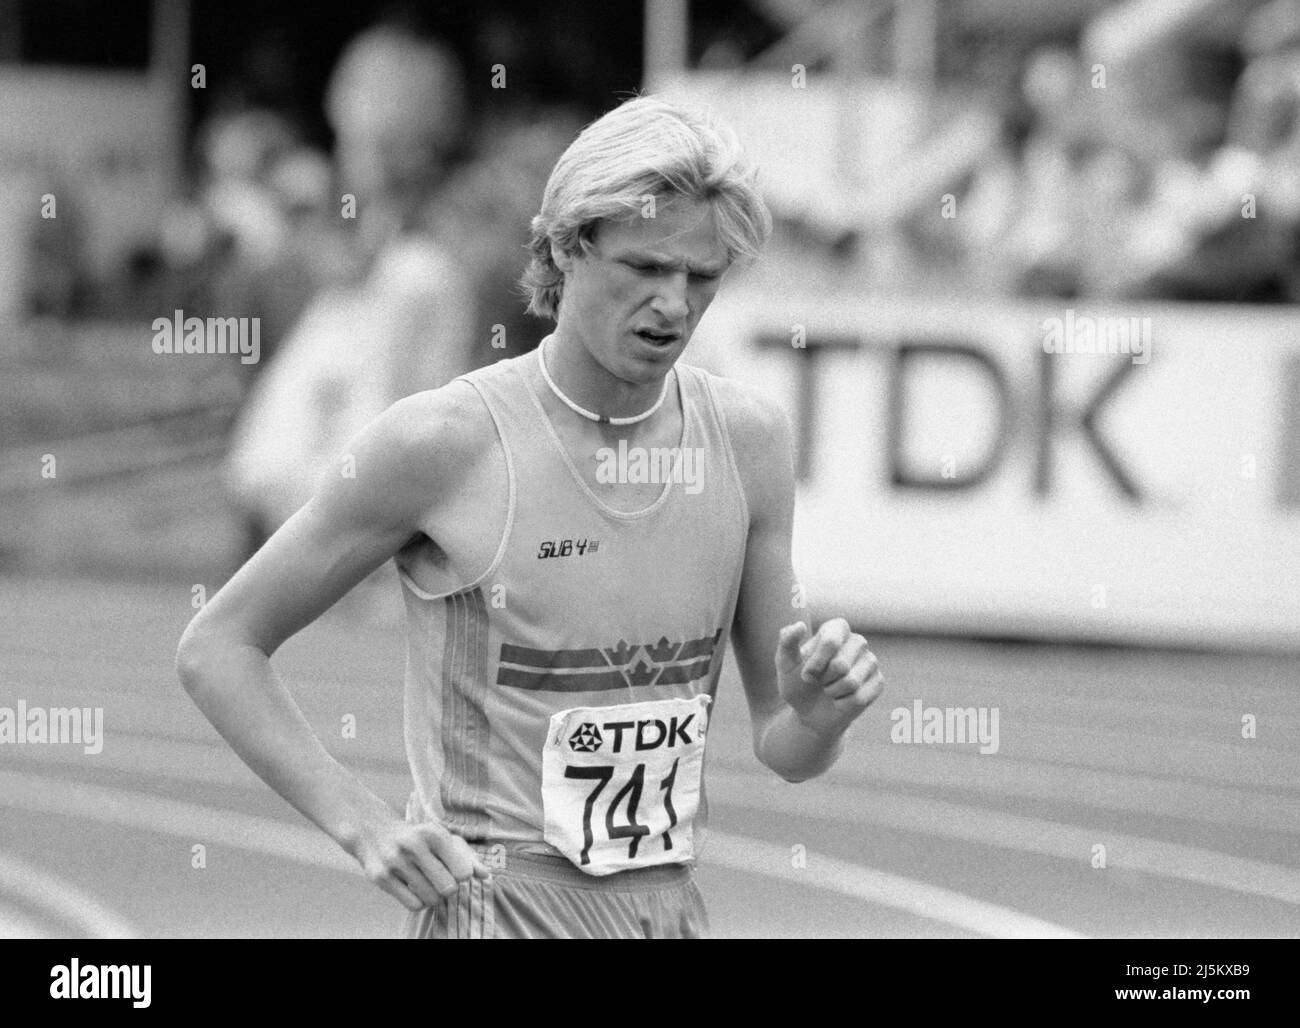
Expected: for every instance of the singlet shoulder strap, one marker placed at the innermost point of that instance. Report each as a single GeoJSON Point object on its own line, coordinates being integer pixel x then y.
{"type": "Point", "coordinates": [699, 386]}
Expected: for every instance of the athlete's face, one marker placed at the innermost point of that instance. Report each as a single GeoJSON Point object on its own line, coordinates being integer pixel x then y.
{"type": "Point", "coordinates": [635, 300]}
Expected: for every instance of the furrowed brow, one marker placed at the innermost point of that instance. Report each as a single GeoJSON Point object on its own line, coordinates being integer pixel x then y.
{"type": "Point", "coordinates": [662, 260]}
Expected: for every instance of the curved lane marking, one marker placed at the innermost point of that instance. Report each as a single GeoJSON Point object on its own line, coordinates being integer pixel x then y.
{"type": "Point", "coordinates": [1072, 843]}
{"type": "Point", "coordinates": [753, 856]}
{"type": "Point", "coordinates": [66, 901]}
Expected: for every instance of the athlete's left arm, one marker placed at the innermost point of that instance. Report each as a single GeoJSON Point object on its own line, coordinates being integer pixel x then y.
{"type": "Point", "coordinates": [804, 689]}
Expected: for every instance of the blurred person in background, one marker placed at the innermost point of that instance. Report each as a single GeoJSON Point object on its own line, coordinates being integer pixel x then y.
{"type": "Point", "coordinates": [315, 251]}
{"type": "Point", "coordinates": [1230, 230]}
{"type": "Point", "coordinates": [395, 319]}
{"type": "Point", "coordinates": [43, 265]}
{"type": "Point", "coordinates": [257, 171]}
{"type": "Point", "coordinates": [1103, 191]}
{"type": "Point", "coordinates": [222, 252]}
{"type": "Point", "coordinates": [486, 207]}
{"type": "Point", "coordinates": [1059, 216]}
{"type": "Point", "coordinates": [239, 152]}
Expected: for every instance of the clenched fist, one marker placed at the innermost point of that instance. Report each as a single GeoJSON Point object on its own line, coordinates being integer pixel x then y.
{"type": "Point", "coordinates": [828, 679]}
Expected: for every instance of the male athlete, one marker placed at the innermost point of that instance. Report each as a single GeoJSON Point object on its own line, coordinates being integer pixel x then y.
{"type": "Point", "coordinates": [577, 531]}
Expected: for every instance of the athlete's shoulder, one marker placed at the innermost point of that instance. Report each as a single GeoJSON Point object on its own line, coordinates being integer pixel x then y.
{"type": "Point", "coordinates": [433, 434]}
{"type": "Point", "coordinates": [754, 422]}
{"type": "Point", "coordinates": [452, 416]}
{"type": "Point", "coordinates": [503, 368]}
{"type": "Point", "coordinates": [761, 439]}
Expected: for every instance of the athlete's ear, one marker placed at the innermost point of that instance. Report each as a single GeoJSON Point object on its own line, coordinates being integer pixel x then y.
{"type": "Point", "coordinates": [563, 261]}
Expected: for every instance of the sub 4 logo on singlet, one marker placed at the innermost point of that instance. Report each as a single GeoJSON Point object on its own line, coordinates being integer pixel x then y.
{"type": "Point", "coordinates": [567, 548]}
{"type": "Point", "coordinates": [621, 784]}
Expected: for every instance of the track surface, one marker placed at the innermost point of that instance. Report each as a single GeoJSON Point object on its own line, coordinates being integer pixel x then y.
{"type": "Point", "coordinates": [1140, 753]}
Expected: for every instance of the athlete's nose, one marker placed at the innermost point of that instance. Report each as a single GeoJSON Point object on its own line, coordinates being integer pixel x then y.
{"type": "Point", "coordinates": [670, 300]}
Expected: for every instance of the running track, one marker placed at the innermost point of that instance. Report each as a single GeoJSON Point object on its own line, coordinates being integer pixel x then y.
{"type": "Point", "coordinates": [1139, 752]}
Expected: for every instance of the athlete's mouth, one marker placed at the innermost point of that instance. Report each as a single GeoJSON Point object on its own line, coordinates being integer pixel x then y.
{"type": "Point", "coordinates": [658, 338]}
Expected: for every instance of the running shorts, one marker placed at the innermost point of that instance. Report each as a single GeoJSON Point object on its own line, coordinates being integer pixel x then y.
{"type": "Point", "coordinates": [537, 896]}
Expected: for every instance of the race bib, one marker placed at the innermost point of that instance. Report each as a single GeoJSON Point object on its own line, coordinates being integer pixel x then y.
{"type": "Point", "coordinates": [621, 785]}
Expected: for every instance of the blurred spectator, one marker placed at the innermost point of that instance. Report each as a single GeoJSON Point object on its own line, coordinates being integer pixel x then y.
{"type": "Point", "coordinates": [1117, 189]}
{"type": "Point", "coordinates": [314, 252]}
{"type": "Point", "coordinates": [42, 266]}
{"type": "Point", "coordinates": [1230, 231]}
{"type": "Point", "coordinates": [239, 152]}
{"type": "Point", "coordinates": [397, 105]}
{"type": "Point", "coordinates": [395, 320]}
{"type": "Point", "coordinates": [486, 208]}
{"type": "Point", "coordinates": [225, 247]}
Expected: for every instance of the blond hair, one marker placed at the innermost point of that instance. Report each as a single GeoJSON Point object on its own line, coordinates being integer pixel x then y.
{"type": "Point", "coordinates": [646, 147]}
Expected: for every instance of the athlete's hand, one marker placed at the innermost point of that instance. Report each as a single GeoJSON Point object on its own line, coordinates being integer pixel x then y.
{"type": "Point", "coordinates": [419, 865]}
{"type": "Point", "coordinates": [828, 679]}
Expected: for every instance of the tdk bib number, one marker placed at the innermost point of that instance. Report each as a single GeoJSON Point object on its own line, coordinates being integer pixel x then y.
{"type": "Point", "coordinates": [621, 785]}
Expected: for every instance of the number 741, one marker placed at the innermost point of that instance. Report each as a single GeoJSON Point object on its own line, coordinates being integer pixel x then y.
{"type": "Point", "coordinates": [632, 830]}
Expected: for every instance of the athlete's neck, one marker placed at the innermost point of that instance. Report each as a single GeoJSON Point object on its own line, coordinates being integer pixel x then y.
{"type": "Point", "coordinates": [590, 385]}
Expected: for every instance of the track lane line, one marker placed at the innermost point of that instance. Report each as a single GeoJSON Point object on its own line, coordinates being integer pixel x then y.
{"type": "Point", "coordinates": [989, 827]}
{"type": "Point", "coordinates": [15, 925]}
{"type": "Point", "coordinates": [869, 885]}
{"type": "Point", "coordinates": [1130, 791]}
{"type": "Point", "coordinates": [66, 901]}
{"type": "Point", "coordinates": [152, 813]}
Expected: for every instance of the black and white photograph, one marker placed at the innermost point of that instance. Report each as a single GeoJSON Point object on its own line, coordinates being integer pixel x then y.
{"type": "Point", "coordinates": [664, 469]}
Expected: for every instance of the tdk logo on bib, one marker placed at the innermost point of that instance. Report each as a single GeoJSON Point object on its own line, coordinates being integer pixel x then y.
{"type": "Point", "coordinates": [585, 738]}
{"type": "Point", "coordinates": [651, 733]}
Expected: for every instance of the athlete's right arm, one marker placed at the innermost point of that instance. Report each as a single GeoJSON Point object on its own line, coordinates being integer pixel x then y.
{"type": "Point", "coordinates": [403, 461]}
